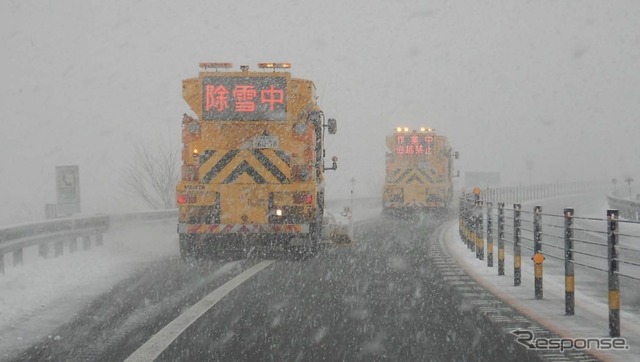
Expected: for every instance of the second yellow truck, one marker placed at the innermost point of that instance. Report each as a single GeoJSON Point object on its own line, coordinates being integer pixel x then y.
{"type": "Point", "coordinates": [419, 166]}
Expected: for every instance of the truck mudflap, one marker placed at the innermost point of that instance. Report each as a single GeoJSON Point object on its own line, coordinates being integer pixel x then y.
{"type": "Point", "coordinates": [243, 228]}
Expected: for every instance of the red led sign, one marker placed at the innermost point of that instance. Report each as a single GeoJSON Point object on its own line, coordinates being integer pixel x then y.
{"type": "Point", "coordinates": [414, 144]}
{"type": "Point", "coordinates": [244, 98]}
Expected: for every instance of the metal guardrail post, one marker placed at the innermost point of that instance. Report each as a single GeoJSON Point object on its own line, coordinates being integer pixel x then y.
{"type": "Point", "coordinates": [489, 236]}
{"type": "Point", "coordinates": [17, 257]}
{"type": "Point", "coordinates": [73, 244]}
{"type": "Point", "coordinates": [469, 227]}
{"type": "Point", "coordinates": [58, 247]}
{"type": "Point", "coordinates": [460, 215]}
{"type": "Point", "coordinates": [468, 222]}
{"type": "Point", "coordinates": [86, 242]}
{"type": "Point", "coordinates": [501, 238]}
{"type": "Point", "coordinates": [473, 223]}
{"type": "Point", "coordinates": [517, 261]}
{"type": "Point", "coordinates": [463, 220]}
{"type": "Point", "coordinates": [479, 231]}
{"type": "Point", "coordinates": [472, 232]}
{"type": "Point", "coordinates": [569, 280]}
{"type": "Point", "coordinates": [614, 286]}
{"type": "Point", "coordinates": [43, 250]}
{"type": "Point", "coordinates": [538, 258]}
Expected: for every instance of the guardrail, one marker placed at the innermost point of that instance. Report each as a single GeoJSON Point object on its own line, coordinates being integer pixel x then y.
{"type": "Point", "coordinates": [14, 239]}
{"type": "Point", "coordinates": [590, 243]}
{"type": "Point", "coordinates": [144, 216]}
{"type": "Point", "coordinates": [59, 233]}
{"type": "Point", "coordinates": [524, 193]}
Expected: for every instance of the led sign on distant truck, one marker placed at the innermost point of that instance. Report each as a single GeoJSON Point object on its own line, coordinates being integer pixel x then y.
{"type": "Point", "coordinates": [244, 98]}
{"type": "Point", "coordinates": [414, 144]}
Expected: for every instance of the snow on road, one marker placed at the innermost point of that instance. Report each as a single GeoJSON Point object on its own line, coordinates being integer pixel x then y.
{"type": "Point", "coordinates": [42, 294]}
{"type": "Point", "coordinates": [45, 293]}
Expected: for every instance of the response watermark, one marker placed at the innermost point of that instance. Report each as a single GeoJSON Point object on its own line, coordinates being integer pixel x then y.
{"type": "Point", "coordinates": [527, 338]}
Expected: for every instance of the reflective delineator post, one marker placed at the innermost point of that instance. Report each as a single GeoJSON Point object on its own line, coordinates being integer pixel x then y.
{"type": "Point", "coordinates": [461, 219]}
{"type": "Point", "coordinates": [479, 232]}
{"type": "Point", "coordinates": [472, 229]}
{"type": "Point", "coordinates": [473, 224]}
{"type": "Point", "coordinates": [501, 238]}
{"type": "Point", "coordinates": [538, 258]}
{"type": "Point", "coordinates": [614, 286]}
{"type": "Point", "coordinates": [517, 276]}
{"type": "Point", "coordinates": [466, 223]}
{"type": "Point", "coordinates": [569, 281]}
{"type": "Point", "coordinates": [489, 236]}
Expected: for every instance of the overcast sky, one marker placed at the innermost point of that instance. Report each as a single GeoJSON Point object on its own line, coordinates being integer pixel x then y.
{"type": "Point", "coordinates": [553, 82]}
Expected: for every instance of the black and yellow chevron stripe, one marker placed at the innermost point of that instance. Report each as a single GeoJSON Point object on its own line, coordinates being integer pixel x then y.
{"type": "Point", "coordinates": [261, 165]}
{"type": "Point", "coordinates": [409, 175]}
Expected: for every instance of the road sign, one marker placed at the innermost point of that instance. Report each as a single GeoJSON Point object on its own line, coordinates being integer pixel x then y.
{"type": "Point", "coordinates": [67, 190]}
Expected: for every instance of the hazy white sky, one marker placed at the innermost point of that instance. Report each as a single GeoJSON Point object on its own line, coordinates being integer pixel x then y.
{"type": "Point", "coordinates": [554, 82]}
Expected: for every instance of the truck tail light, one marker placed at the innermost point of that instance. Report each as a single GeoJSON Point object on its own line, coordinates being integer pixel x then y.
{"type": "Point", "coordinates": [186, 199]}
{"type": "Point", "coordinates": [302, 198]}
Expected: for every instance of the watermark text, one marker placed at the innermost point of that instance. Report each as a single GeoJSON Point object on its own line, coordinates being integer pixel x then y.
{"type": "Point", "coordinates": [527, 338]}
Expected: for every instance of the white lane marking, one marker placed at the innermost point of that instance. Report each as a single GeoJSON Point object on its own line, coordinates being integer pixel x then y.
{"type": "Point", "coordinates": [161, 340]}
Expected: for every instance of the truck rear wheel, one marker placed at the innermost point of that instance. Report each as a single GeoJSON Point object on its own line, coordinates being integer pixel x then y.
{"type": "Point", "coordinates": [187, 247]}
{"type": "Point", "coordinates": [315, 236]}
{"type": "Point", "coordinates": [308, 246]}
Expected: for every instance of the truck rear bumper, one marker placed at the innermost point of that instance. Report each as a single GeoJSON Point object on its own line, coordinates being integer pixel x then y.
{"type": "Point", "coordinates": [243, 229]}
{"type": "Point", "coordinates": [210, 238]}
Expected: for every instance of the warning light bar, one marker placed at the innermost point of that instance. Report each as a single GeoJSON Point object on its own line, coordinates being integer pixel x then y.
{"type": "Point", "coordinates": [422, 129]}
{"type": "Point", "coordinates": [215, 65]}
{"type": "Point", "coordinates": [274, 65]}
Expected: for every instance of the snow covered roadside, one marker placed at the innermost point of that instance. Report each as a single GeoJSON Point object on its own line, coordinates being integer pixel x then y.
{"type": "Point", "coordinates": [591, 305]}
{"type": "Point", "coordinates": [363, 209]}
{"type": "Point", "coordinates": [45, 293]}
